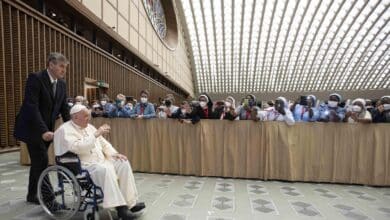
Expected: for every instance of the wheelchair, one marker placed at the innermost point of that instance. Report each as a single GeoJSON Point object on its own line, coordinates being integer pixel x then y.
{"type": "Point", "coordinates": [66, 188]}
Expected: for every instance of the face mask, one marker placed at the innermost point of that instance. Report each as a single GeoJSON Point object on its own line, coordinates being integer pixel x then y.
{"type": "Point", "coordinates": [202, 104]}
{"type": "Point", "coordinates": [144, 100]}
{"type": "Point", "coordinates": [96, 106]}
{"type": "Point", "coordinates": [332, 104]}
{"type": "Point", "coordinates": [386, 107]}
{"type": "Point", "coordinates": [103, 102]}
{"type": "Point", "coordinates": [183, 111]}
{"type": "Point", "coordinates": [78, 103]}
{"type": "Point", "coordinates": [228, 104]}
{"type": "Point", "coordinates": [130, 106]}
{"type": "Point", "coordinates": [70, 104]}
{"type": "Point", "coordinates": [356, 108]}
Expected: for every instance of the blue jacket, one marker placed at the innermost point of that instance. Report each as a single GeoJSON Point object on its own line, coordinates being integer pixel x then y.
{"type": "Point", "coordinates": [121, 112]}
{"type": "Point", "coordinates": [149, 111]}
{"type": "Point", "coordinates": [325, 112]}
{"type": "Point", "coordinates": [301, 113]}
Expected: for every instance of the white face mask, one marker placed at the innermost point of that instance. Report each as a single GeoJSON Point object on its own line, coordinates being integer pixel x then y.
{"type": "Point", "coordinates": [130, 106]}
{"type": "Point", "coordinates": [202, 104]}
{"type": "Point", "coordinates": [332, 104]}
{"type": "Point", "coordinates": [183, 111]}
{"type": "Point", "coordinates": [386, 107]}
{"type": "Point", "coordinates": [228, 104]}
{"type": "Point", "coordinates": [70, 104]}
{"type": "Point", "coordinates": [144, 100]}
{"type": "Point", "coordinates": [356, 108]}
{"type": "Point", "coordinates": [103, 102]}
{"type": "Point", "coordinates": [78, 103]}
{"type": "Point", "coordinates": [96, 106]}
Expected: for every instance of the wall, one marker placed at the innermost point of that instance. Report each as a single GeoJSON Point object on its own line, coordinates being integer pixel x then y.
{"type": "Point", "coordinates": [26, 37]}
{"type": "Point", "coordinates": [130, 21]}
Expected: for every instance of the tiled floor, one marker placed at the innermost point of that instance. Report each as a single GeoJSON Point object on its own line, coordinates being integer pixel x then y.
{"type": "Point", "coordinates": [195, 198]}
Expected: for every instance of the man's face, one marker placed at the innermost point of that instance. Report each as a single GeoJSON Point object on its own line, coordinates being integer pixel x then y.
{"type": "Point", "coordinates": [58, 69]}
{"type": "Point", "coordinates": [82, 118]}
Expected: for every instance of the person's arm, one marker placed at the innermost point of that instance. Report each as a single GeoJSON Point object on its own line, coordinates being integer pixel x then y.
{"type": "Point", "coordinates": [32, 92]}
{"type": "Point", "coordinates": [315, 116]}
{"type": "Point", "coordinates": [69, 141]}
{"type": "Point", "coordinates": [107, 148]}
{"type": "Point", "coordinates": [288, 117]}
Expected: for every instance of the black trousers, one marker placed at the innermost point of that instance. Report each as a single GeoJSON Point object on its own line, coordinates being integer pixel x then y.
{"type": "Point", "coordinates": [39, 162]}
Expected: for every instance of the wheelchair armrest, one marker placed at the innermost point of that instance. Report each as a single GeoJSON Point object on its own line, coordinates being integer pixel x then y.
{"type": "Point", "coordinates": [71, 161]}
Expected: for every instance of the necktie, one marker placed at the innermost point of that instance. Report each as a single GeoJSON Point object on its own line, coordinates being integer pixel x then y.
{"type": "Point", "coordinates": [54, 88]}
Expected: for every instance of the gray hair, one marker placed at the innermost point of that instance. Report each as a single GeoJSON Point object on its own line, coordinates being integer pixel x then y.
{"type": "Point", "coordinates": [57, 57]}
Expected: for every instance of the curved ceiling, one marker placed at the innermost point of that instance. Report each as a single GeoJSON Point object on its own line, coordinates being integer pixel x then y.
{"type": "Point", "coordinates": [291, 45]}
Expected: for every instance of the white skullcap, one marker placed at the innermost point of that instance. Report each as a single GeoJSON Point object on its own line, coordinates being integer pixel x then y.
{"type": "Point", "coordinates": [77, 108]}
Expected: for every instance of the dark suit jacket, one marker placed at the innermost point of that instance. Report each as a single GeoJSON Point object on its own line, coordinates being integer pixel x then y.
{"type": "Point", "coordinates": [40, 109]}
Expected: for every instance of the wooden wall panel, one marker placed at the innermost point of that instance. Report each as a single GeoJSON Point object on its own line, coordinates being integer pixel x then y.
{"type": "Point", "coordinates": [27, 37]}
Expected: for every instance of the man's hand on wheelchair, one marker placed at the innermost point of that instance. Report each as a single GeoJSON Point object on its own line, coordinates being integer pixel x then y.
{"type": "Point", "coordinates": [119, 156]}
{"type": "Point", "coordinates": [104, 129]}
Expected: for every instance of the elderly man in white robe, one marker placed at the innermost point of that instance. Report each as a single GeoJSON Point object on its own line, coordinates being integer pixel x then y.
{"type": "Point", "coordinates": [108, 169]}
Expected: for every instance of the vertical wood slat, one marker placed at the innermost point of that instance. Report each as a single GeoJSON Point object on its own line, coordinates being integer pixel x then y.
{"type": "Point", "coordinates": [3, 112]}
{"type": "Point", "coordinates": [27, 39]}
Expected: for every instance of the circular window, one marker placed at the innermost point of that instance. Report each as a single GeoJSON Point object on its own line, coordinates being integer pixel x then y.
{"type": "Point", "coordinates": [162, 16]}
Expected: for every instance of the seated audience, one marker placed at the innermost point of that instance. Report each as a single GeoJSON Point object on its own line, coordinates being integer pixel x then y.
{"type": "Point", "coordinates": [382, 112]}
{"type": "Point", "coordinates": [107, 106]}
{"type": "Point", "coordinates": [185, 113]}
{"type": "Point", "coordinates": [248, 109]}
{"type": "Point", "coordinates": [144, 109]}
{"type": "Point", "coordinates": [108, 168]}
{"type": "Point", "coordinates": [280, 112]}
{"type": "Point", "coordinates": [332, 112]}
{"type": "Point", "coordinates": [167, 108]}
{"type": "Point", "coordinates": [70, 102]}
{"type": "Point", "coordinates": [97, 109]}
{"type": "Point", "coordinates": [120, 109]}
{"type": "Point", "coordinates": [304, 109]}
{"type": "Point", "coordinates": [229, 109]}
{"type": "Point", "coordinates": [370, 105]}
{"type": "Point", "coordinates": [357, 112]}
{"type": "Point", "coordinates": [204, 109]}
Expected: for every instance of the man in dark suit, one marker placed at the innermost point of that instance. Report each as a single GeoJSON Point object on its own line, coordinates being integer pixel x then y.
{"type": "Point", "coordinates": [45, 98]}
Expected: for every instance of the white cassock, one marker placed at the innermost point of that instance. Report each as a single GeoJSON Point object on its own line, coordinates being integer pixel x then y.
{"type": "Point", "coordinates": [115, 177]}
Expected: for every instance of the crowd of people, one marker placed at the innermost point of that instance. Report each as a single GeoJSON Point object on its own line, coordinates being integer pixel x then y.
{"type": "Point", "coordinates": [304, 109]}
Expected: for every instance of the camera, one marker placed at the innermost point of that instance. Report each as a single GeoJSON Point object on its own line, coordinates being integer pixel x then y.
{"type": "Point", "coordinates": [303, 100]}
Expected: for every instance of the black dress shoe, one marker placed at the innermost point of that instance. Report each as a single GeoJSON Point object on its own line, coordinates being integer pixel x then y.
{"type": "Point", "coordinates": [138, 207]}
{"type": "Point", "coordinates": [33, 199]}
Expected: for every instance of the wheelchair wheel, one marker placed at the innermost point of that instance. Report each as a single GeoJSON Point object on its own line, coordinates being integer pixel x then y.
{"type": "Point", "coordinates": [59, 192]}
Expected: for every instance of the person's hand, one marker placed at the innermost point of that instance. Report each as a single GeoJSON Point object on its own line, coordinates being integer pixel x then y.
{"type": "Point", "coordinates": [347, 115]}
{"type": "Point", "coordinates": [381, 108]}
{"type": "Point", "coordinates": [104, 129]}
{"type": "Point", "coordinates": [48, 136]}
{"type": "Point", "coordinates": [354, 117]}
{"type": "Point", "coordinates": [119, 156]}
{"type": "Point", "coordinates": [187, 121]}
{"type": "Point", "coordinates": [139, 117]}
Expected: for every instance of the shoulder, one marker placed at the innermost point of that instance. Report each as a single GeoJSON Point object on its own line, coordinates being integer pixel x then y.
{"type": "Point", "coordinates": [65, 126]}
